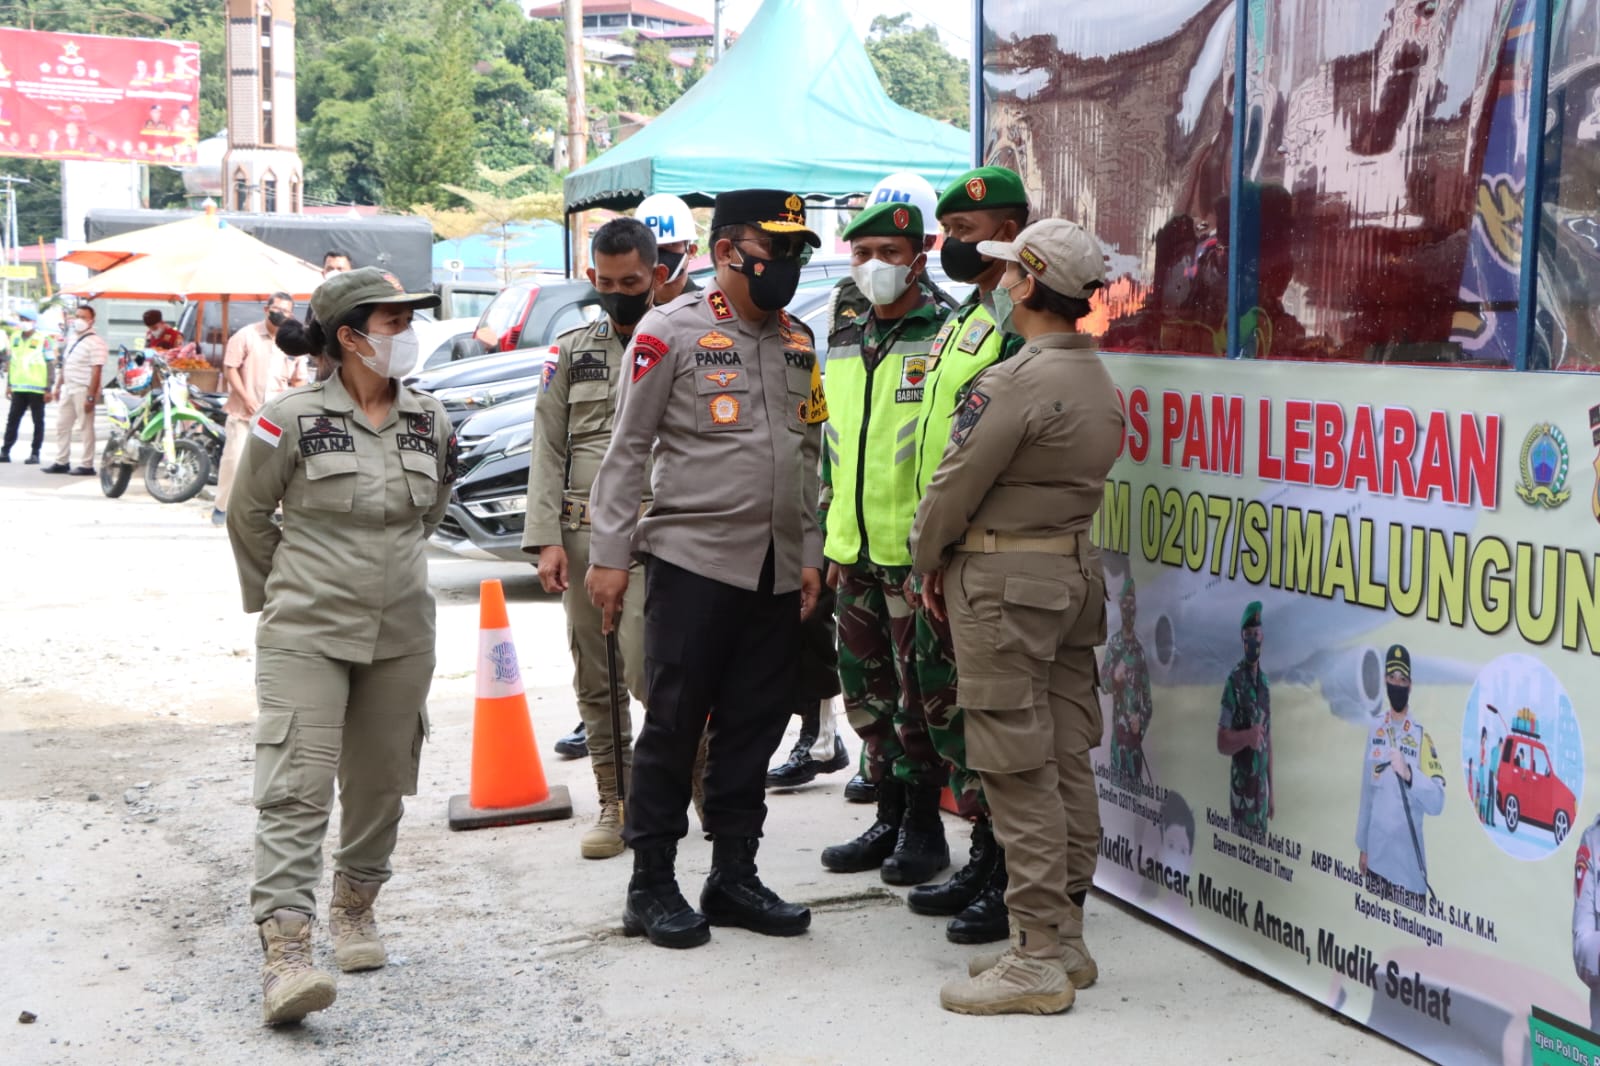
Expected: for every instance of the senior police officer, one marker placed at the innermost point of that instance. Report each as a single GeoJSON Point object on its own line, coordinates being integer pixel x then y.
{"type": "Point", "coordinates": [1402, 781]}
{"type": "Point", "coordinates": [723, 394]}
{"type": "Point", "coordinates": [983, 204]}
{"type": "Point", "coordinates": [876, 366]}
{"type": "Point", "coordinates": [1013, 499]}
{"type": "Point", "coordinates": [571, 428]}
{"type": "Point", "coordinates": [345, 645]}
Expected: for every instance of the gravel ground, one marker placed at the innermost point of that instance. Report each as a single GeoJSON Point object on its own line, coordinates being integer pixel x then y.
{"type": "Point", "coordinates": [125, 822]}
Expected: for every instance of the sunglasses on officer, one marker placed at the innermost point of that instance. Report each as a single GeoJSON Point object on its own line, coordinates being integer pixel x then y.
{"type": "Point", "coordinates": [778, 246]}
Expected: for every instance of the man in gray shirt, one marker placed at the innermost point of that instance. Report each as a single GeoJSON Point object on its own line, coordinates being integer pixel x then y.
{"type": "Point", "coordinates": [722, 393]}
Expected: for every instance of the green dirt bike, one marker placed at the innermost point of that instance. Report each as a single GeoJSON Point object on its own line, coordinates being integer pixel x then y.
{"type": "Point", "coordinates": [163, 432]}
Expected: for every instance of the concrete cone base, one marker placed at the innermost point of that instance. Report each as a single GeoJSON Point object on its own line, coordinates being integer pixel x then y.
{"type": "Point", "coordinates": [463, 815]}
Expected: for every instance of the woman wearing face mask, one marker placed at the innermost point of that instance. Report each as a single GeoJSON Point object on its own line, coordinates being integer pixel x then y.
{"type": "Point", "coordinates": [1003, 531]}
{"type": "Point", "coordinates": [360, 465]}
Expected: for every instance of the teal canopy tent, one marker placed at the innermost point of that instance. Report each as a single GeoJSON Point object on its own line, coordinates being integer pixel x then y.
{"type": "Point", "coordinates": [794, 104]}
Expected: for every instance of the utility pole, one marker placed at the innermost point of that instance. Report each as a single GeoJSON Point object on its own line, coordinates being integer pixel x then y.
{"type": "Point", "coordinates": [577, 121]}
{"type": "Point", "coordinates": [716, 31]}
{"type": "Point", "coordinates": [8, 239]}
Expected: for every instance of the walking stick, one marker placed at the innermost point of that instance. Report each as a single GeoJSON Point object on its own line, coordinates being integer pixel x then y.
{"type": "Point", "coordinates": [618, 699]}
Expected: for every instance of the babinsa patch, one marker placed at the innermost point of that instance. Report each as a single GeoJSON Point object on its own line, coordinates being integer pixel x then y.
{"type": "Point", "coordinates": [913, 371]}
{"type": "Point", "coordinates": [320, 434]}
{"type": "Point", "coordinates": [588, 366]}
{"type": "Point", "coordinates": [967, 418]}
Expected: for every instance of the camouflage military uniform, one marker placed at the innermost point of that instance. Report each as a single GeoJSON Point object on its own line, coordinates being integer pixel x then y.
{"type": "Point", "coordinates": [1247, 702]}
{"type": "Point", "coordinates": [936, 679]}
{"type": "Point", "coordinates": [1125, 671]}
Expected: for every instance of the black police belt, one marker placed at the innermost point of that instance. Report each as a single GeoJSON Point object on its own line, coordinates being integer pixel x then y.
{"type": "Point", "coordinates": [989, 542]}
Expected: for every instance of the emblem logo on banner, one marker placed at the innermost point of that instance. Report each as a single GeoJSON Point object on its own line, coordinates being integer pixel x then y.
{"type": "Point", "coordinates": [1544, 464]}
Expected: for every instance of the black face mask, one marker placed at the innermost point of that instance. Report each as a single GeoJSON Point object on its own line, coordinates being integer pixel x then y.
{"type": "Point", "coordinates": [670, 260]}
{"type": "Point", "coordinates": [625, 309]}
{"type": "Point", "coordinates": [1399, 695]}
{"type": "Point", "coordinates": [277, 318]}
{"type": "Point", "coordinates": [772, 281]}
{"type": "Point", "coordinates": [962, 261]}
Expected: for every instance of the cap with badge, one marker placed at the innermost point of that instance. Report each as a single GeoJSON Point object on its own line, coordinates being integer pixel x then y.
{"type": "Point", "coordinates": [772, 211]}
{"type": "Point", "coordinates": [1398, 661]}
{"type": "Point", "coordinates": [983, 189]}
{"type": "Point", "coordinates": [886, 220]}
{"type": "Point", "coordinates": [1062, 255]}
{"type": "Point", "coordinates": [342, 293]}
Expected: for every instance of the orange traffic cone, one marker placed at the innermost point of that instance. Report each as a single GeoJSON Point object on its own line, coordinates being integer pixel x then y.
{"type": "Point", "coordinates": [508, 785]}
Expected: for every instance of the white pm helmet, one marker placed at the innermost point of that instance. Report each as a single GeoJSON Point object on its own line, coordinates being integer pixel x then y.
{"type": "Point", "coordinates": [907, 188]}
{"type": "Point", "coordinates": [668, 218]}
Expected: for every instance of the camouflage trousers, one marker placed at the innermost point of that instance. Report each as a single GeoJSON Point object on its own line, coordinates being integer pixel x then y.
{"type": "Point", "coordinates": [877, 670]}
{"type": "Point", "coordinates": [1127, 760]}
{"type": "Point", "coordinates": [936, 677]}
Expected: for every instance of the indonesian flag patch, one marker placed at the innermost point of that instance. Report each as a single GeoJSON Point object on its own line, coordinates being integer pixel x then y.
{"type": "Point", "coordinates": [267, 430]}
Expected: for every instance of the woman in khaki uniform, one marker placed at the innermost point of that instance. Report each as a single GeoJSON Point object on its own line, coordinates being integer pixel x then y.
{"type": "Point", "coordinates": [1003, 531]}
{"type": "Point", "coordinates": [360, 466]}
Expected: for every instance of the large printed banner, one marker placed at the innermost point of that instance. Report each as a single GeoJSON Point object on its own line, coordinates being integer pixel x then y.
{"type": "Point", "coordinates": [1352, 643]}
{"type": "Point", "coordinates": [73, 96]}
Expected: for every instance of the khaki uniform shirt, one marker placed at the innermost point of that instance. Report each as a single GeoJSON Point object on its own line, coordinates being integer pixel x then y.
{"type": "Point", "coordinates": [345, 576]}
{"type": "Point", "coordinates": [263, 366]}
{"type": "Point", "coordinates": [572, 425]}
{"type": "Point", "coordinates": [724, 407]}
{"type": "Point", "coordinates": [1029, 450]}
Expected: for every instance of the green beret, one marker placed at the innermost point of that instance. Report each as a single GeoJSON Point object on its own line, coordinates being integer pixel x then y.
{"type": "Point", "coordinates": [982, 190]}
{"type": "Point", "coordinates": [886, 220]}
{"type": "Point", "coordinates": [1252, 615]}
{"type": "Point", "coordinates": [1398, 659]}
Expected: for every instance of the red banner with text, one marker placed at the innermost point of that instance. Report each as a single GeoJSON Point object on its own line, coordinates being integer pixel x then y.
{"type": "Point", "coordinates": [107, 99]}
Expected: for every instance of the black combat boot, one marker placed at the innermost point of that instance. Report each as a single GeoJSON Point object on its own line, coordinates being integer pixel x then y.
{"type": "Point", "coordinates": [800, 768]}
{"type": "Point", "coordinates": [656, 908]}
{"type": "Point", "coordinates": [859, 790]}
{"type": "Point", "coordinates": [984, 920]}
{"type": "Point", "coordinates": [955, 895]}
{"type": "Point", "coordinates": [734, 895]}
{"type": "Point", "coordinates": [920, 850]}
{"type": "Point", "coordinates": [867, 851]}
{"type": "Point", "coordinates": [575, 745]}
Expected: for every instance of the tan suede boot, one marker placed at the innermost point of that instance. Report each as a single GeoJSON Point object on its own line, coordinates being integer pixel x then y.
{"type": "Point", "coordinates": [698, 779]}
{"type": "Point", "coordinates": [291, 987]}
{"type": "Point", "coordinates": [604, 838]}
{"type": "Point", "coordinates": [1082, 970]}
{"type": "Point", "coordinates": [352, 925]}
{"type": "Point", "coordinates": [1017, 984]}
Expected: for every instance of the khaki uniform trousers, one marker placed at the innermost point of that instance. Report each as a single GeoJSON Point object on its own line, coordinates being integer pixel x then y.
{"type": "Point", "coordinates": [588, 646]}
{"type": "Point", "coordinates": [323, 720]}
{"type": "Point", "coordinates": [74, 411]}
{"type": "Point", "coordinates": [235, 435]}
{"type": "Point", "coordinates": [1025, 626]}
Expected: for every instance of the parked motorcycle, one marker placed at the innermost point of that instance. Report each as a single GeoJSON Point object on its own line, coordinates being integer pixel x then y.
{"type": "Point", "coordinates": [163, 433]}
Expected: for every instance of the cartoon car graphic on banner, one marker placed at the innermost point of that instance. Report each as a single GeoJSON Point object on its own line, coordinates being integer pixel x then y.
{"type": "Point", "coordinates": [1527, 785]}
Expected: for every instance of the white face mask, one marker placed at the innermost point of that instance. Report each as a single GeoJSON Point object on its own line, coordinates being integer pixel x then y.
{"type": "Point", "coordinates": [77, 326]}
{"type": "Point", "coordinates": [393, 355]}
{"type": "Point", "coordinates": [881, 283]}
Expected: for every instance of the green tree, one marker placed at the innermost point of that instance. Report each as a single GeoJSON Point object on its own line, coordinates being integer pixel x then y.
{"type": "Point", "coordinates": [424, 110]}
{"type": "Point", "coordinates": [917, 71]}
